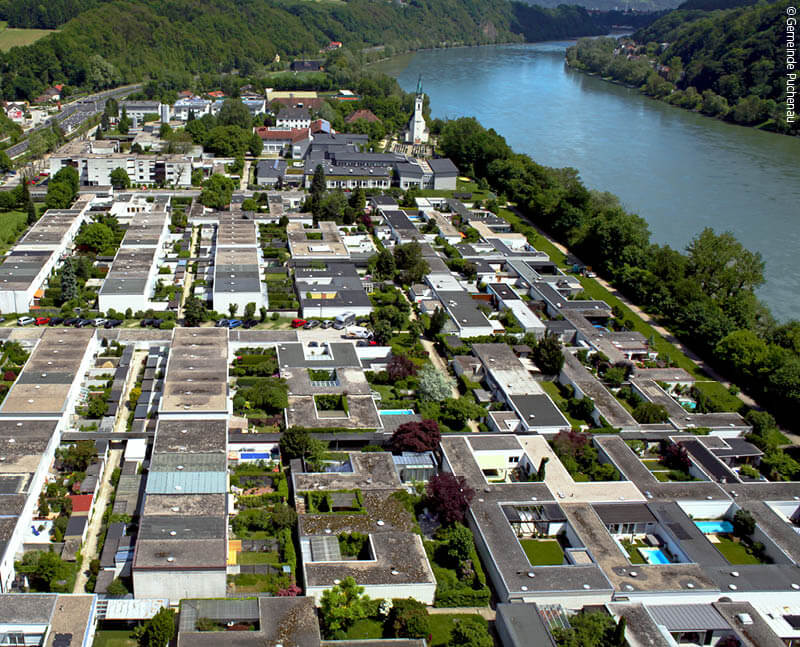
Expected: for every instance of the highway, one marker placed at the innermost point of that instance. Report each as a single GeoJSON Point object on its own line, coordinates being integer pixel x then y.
{"type": "Point", "coordinates": [73, 114]}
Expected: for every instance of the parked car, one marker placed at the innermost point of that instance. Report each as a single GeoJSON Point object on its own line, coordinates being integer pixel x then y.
{"type": "Point", "coordinates": [235, 323]}
{"type": "Point", "coordinates": [99, 321]}
{"type": "Point", "coordinates": [144, 323]}
{"type": "Point", "coordinates": [56, 321]}
{"type": "Point", "coordinates": [327, 324]}
{"type": "Point", "coordinates": [298, 323]}
{"type": "Point", "coordinates": [42, 321]}
{"type": "Point", "coordinates": [308, 325]}
{"type": "Point", "coordinates": [222, 323]}
{"type": "Point", "coordinates": [82, 323]}
{"type": "Point", "coordinates": [315, 323]}
{"type": "Point", "coordinates": [362, 342]}
{"type": "Point", "coordinates": [250, 323]}
{"type": "Point", "coordinates": [71, 321]}
{"type": "Point", "coordinates": [25, 321]}
{"type": "Point", "coordinates": [113, 323]}
{"type": "Point", "coordinates": [313, 344]}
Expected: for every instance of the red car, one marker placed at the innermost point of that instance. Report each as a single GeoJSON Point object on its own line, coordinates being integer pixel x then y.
{"type": "Point", "coordinates": [42, 321]}
{"type": "Point", "coordinates": [298, 323]}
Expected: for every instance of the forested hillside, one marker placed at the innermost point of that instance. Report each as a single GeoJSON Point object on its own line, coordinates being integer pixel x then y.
{"type": "Point", "coordinates": [723, 63]}
{"type": "Point", "coordinates": [109, 43]}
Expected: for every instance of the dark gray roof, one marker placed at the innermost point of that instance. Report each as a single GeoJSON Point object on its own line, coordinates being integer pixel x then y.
{"type": "Point", "coordinates": [291, 355]}
{"type": "Point", "coordinates": [539, 411]}
{"type": "Point", "coordinates": [162, 527]}
{"type": "Point", "coordinates": [25, 608]}
{"type": "Point", "coordinates": [524, 626]}
{"type": "Point", "coordinates": [613, 513]}
{"type": "Point", "coordinates": [443, 166]}
{"type": "Point", "coordinates": [688, 617]}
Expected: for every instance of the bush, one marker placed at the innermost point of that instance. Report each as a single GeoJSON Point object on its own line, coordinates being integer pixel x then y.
{"type": "Point", "coordinates": [409, 619]}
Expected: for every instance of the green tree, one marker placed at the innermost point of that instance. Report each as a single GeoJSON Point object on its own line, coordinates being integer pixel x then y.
{"type": "Point", "coordinates": [437, 322]}
{"type": "Point", "coordinates": [250, 310]}
{"type": "Point", "coordinates": [548, 356]}
{"type": "Point", "coordinates": [459, 543]}
{"type": "Point", "coordinates": [159, 630]}
{"type": "Point", "coordinates": [194, 311]}
{"type": "Point", "coordinates": [298, 443]}
{"type": "Point", "coordinates": [59, 196]}
{"type": "Point", "coordinates": [120, 179]}
{"type": "Point", "coordinates": [97, 407]}
{"type": "Point", "coordinates": [470, 634]}
{"type": "Point", "coordinates": [77, 457]}
{"type": "Point", "coordinates": [722, 266]}
{"type": "Point", "coordinates": [318, 184]}
{"type": "Point", "coordinates": [117, 588]}
{"type": "Point", "coordinates": [32, 217]}
{"type": "Point", "coordinates": [217, 191]}
{"type": "Point", "coordinates": [45, 571]}
{"type": "Point", "coordinates": [269, 394]}
{"type": "Point", "coordinates": [234, 113]}
{"type": "Point", "coordinates": [95, 237]}
{"type": "Point", "coordinates": [124, 123]}
{"type": "Point", "coordinates": [744, 524]}
{"type": "Point", "coordinates": [68, 175]}
{"type": "Point", "coordinates": [343, 605]}
{"type": "Point", "coordinates": [232, 308]}
{"type": "Point", "coordinates": [382, 265]}
{"type": "Point", "coordinates": [409, 619]}
{"type": "Point", "coordinates": [648, 413]}
{"type": "Point", "coordinates": [5, 162]}
{"type": "Point", "coordinates": [434, 386]}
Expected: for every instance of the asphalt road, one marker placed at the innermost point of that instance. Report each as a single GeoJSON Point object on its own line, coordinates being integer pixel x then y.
{"type": "Point", "coordinates": [74, 114]}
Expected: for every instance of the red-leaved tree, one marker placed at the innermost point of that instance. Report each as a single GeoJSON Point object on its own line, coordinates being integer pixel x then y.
{"type": "Point", "coordinates": [421, 436]}
{"type": "Point", "coordinates": [449, 497]}
{"type": "Point", "coordinates": [400, 367]}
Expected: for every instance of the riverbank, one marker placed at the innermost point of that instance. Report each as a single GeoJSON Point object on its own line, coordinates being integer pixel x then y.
{"type": "Point", "coordinates": [643, 66]}
{"type": "Point", "coordinates": [676, 169]}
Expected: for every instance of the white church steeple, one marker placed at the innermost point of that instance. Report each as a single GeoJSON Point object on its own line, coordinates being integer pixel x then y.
{"type": "Point", "coordinates": [417, 132]}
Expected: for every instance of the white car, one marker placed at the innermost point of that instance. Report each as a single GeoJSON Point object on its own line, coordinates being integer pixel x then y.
{"type": "Point", "coordinates": [25, 321]}
{"type": "Point", "coordinates": [99, 322]}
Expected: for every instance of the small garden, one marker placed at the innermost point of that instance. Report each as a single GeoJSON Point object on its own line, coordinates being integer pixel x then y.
{"type": "Point", "coordinates": [672, 463]}
{"type": "Point", "coordinates": [13, 359]}
{"type": "Point", "coordinates": [259, 478]}
{"type": "Point", "coordinates": [631, 548]}
{"type": "Point", "coordinates": [268, 547]}
{"type": "Point", "coordinates": [740, 547]}
{"type": "Point", "coordinates": [280, 292]}
{"type": "Point", "coordinates": [347, 614]}
{"type": "Point", "coordinates": [543, 552]}
{"type": "Point", "coordinates": [335, 502]}
{"type": "Point", "coordinates": [331, 405]}
{"type": "Point", "coordinates": [460, 579]}
{"type": "Point", "coordinates": [581, 459]}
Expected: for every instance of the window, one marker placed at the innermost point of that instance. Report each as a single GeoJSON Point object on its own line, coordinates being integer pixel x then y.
{"type": "Point", "coordinates": [513, 459]}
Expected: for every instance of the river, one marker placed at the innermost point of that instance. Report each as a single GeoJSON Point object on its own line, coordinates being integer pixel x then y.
{"type": "Point", "coordinates": [678, 170]}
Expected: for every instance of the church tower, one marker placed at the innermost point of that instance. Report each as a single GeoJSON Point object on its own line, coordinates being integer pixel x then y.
{"type": "Point", "coordinates": [417, 132]}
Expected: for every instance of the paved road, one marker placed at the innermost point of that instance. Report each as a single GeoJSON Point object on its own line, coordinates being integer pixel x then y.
{"type": "Point", "coordinates": [73, 114]}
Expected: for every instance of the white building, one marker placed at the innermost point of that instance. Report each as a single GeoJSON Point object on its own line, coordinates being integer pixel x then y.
{"type": "Point", "coordinates": [417, 131]}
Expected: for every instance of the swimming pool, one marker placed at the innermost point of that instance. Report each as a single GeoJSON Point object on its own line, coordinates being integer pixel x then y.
{"type": "Point", "coordinates": [396, 412]}
{"type": "Point", "coordinates": [654, 556]}
{"type": "Point", "coordinates": [712, 527]}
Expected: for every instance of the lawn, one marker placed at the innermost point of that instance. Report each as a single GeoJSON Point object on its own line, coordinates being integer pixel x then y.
{"type": "Point", "coordinates": [551, 388]}
{"type": "Point", "coordinates": [114, 638]}
{"type": "Point", "coordinates": [442, 626]}
{"type": "Point", "coordinates": [12, 224]}
{"type": "Point", "coordinates": [250, 558]}
{"type": "Point", "coordinates": [543, 552]}
{"type": "Point", "coordinates": [634, 556]}
{"type": "Point", "coordinates": [19, 37]}
{"type": "Point", "coordinates": [735, 552]}
{"type": "Point", "coordinates": [365, 629]}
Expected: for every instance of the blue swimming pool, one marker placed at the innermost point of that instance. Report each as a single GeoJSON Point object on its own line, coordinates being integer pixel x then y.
{"type": "Point", "coordinates": [654, 556]}
{"type": "Point", "coordinates": [712, 527]}
{"type": "Point", "coordinates": [396, 412]}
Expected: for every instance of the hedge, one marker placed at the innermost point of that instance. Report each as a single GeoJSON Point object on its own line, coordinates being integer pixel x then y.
{"type": "Point", "coordinates": [452, 592]}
